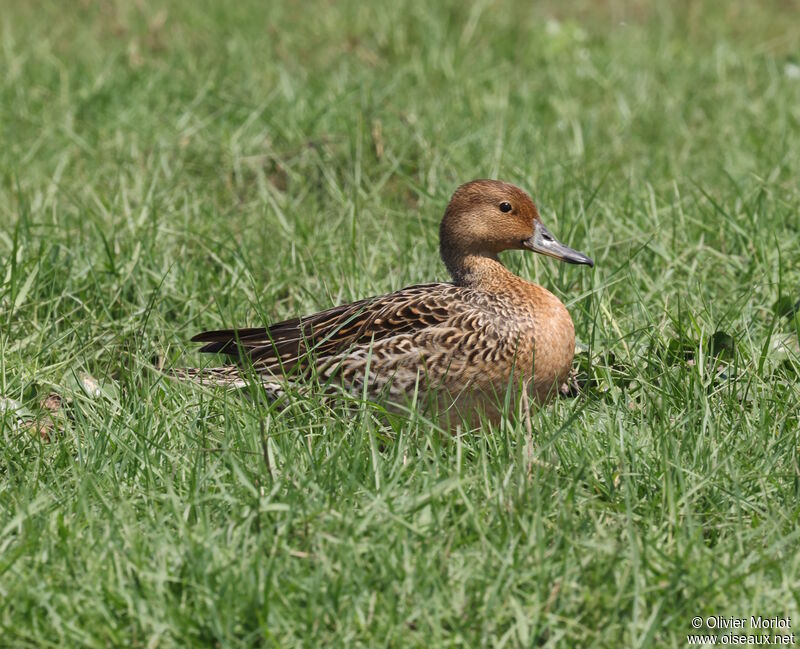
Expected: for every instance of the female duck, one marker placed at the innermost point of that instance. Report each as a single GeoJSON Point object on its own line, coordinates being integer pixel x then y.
{"type": "Point", "coordinates": [465, 342]}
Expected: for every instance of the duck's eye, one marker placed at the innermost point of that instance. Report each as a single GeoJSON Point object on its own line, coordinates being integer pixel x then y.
{"type": "Point", "coordinates": [505, 206]}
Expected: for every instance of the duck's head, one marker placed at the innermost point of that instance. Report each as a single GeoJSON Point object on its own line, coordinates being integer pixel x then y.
{"type": "Point", "coordinates": [486, 217]}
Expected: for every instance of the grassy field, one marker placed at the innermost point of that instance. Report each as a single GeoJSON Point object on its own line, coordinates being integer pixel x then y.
{"type": "Point", "coordinates": [170, 167]}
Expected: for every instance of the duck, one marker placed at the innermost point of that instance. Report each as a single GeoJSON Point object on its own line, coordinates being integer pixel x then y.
{"type": "Point", "coordinates": [465, 342]}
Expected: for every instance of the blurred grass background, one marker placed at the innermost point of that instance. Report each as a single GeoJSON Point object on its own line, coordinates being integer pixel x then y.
{"type": "Point", "coordinates": [173, 166]}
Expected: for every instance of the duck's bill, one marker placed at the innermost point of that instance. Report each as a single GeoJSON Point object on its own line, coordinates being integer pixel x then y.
{"type": "Point", "coordinates": [546, 244]}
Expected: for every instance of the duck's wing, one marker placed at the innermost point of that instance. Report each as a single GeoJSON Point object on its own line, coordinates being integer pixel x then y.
{"type": "Point", "coordinates": [290, 345]}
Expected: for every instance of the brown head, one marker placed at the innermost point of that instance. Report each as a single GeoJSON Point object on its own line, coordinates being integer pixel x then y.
{"type": "Point", "coordinates": [486, 217]}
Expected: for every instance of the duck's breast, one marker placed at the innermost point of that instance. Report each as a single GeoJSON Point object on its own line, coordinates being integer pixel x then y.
{"type": "Point", "coordinates": [553, 343]}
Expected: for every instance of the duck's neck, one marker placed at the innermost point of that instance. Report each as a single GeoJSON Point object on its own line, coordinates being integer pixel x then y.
{"type": "Point", "coordinates": [477, 270]}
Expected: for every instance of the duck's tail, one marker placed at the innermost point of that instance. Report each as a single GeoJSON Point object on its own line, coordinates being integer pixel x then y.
{"type": "Point", "coordinates": [228, 376]}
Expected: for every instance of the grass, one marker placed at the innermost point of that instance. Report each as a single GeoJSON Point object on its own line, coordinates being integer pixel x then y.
{"type": "Point", "coordinates": [170, 167]}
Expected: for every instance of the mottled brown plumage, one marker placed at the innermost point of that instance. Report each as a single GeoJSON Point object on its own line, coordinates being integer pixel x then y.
{"type": "Point", "coordinates": [464, 342]}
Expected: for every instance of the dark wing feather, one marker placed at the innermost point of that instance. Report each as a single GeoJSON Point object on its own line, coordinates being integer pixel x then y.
{"type": "Point", "coordinates": [286, 345]}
